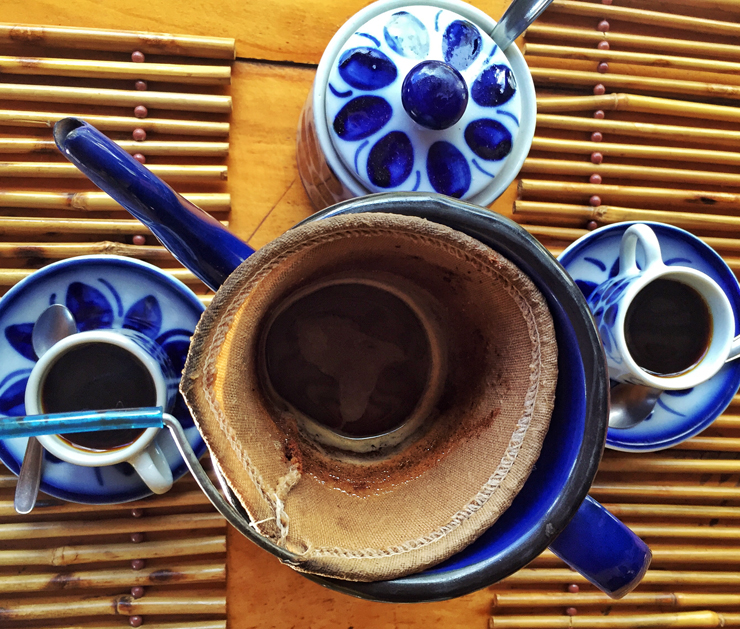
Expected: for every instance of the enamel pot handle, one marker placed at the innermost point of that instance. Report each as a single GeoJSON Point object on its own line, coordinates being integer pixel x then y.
{"type": "Point", "coordinates": [598, 546]}
{"type": "Point", "coordinates": [194, 237]}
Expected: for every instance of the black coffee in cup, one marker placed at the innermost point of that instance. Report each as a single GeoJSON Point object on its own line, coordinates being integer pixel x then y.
{"type": "Point", "coordinates": [98, 376]}
{"type": "Point", "coordinates": [668, 327]}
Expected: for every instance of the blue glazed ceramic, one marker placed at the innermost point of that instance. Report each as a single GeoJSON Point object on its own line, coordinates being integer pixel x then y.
{"type": "Point", "coordinates": [678, 415]}
{"type": "Point", "coordinates": [558, 486]}
{"type": "Point", "coordinates": [102, 292]}
{"type": "Point", "coordinates": [574, 444]}
{"type": "Point", "coordinates": [420, 98]}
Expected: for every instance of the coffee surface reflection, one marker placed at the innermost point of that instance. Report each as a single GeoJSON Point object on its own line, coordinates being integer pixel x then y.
{"type": "Point", "coordinates": [98, 376]}
{"type": "Point", "coordinates": [352, 357]}
{"type": "Point", "coordinates": [668, 327]}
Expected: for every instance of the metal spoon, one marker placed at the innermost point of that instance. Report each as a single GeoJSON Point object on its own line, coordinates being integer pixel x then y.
{"type": "Point", "coordinates": [630, 404]}
{"type": "Point", "coordinates": [52, 326]}
{"type": "Point", "coordinates": [516, 19]}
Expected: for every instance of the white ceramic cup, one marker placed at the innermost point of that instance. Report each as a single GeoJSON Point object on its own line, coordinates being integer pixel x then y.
{"type": "Point", "coordinates": [611, 301]}
{"type": "Point", "coordinates": [143, 453]}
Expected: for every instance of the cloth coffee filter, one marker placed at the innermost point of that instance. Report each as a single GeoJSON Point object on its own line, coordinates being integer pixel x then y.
{"type": "Point", "coordinates": [375, 390]}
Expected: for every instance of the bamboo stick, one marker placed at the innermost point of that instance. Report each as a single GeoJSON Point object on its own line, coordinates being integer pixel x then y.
{"type": "Point", "coordinates": [107, 577]}
{"type": "Point", "coordinates": [546, 232]}
{"type": "Point", "coordinates": [641, 16]}
{"type": "Point", "coordinates": [712, 444]}
{"type": "Point", "coordinates": [696, 200]}
{"type": "Point", "coordinates": [97, 69]}
{"type": "Point", "coordinates": [628, 40]}
{"type": "Point", "coordinates": [93, 553]}
{"type": "Point", "coordinates": [622, 510]}
{"type": "Point", "coordinates": [663, 531]}
{"type": "Point", "coordinates": [548, 576]}
{"type": "Point", "coordinates": [180, 148]}
{"type": "Point", "coordinates": [683, 176]}
{"type": "Point", "coordinates": [116, 98]}
{"type": "Point", "coordinates": [560, 77]}
{"type": "Point", "coordinates": [203, 149]}
{"type": "Point", "coordinates": [42, 530]}
{"type": "Point", "coordinates": [637, 151]}
{"type": "Point", "coordinates": [644, 492]}
{"type": "Point", "coordinates": [591, 599]}
{"type": "Point", "coordinates": [680, 619]}
{"type": "Point", "coordinates": [125, 41]}
{"type": "Point", "coordinates": [727, 421]}
{"type": "Point", "coordinates": [123, 605]}
{"type": "Point", "coordinates": [669, 465]}
{"type": "Point", "coordinates": [642, 130]}
{"type": "Point", "coordinates": [52, 506]}
{"type": "Point", "coordinates": [669, 555]}
{"type": "Point", "coordinates": [10, 277]}
{"type": "Point", "coordinates": [98, 201]}
{"type": "Point", "coordinates": [62, 250]}
{"type": "Point", "coordinates": [638, 103]}
{"type": "Point", "coordinates": [605, 215]}
{"type": "Point", "coordinates": [198, 624]}
{"type": "Point", "coordinates": [637, 58]}
{"type": "Point", "coordinates": [41, 119]}
{"type": "Point", "coordinates": [66, 170]}
{"type": "Point", "coordinates": [570, 234]}
{"type": "Point", "coordinates": [34, 226]}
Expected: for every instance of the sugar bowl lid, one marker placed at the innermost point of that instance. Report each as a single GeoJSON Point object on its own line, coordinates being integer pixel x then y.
{"type": "Point", "coordinates": [420, 97]}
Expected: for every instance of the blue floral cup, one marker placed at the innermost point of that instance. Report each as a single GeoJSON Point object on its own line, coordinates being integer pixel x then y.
{"type": "Point", "coordinates": [666, 327]}
{"type": "Point", "coordinates": [121, 364]}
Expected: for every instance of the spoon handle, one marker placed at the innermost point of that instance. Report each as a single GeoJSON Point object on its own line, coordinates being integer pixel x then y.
{"type": "Point", "coordinates": [516, 19]}
{"type": "Point", "coordinates": [29, 478]}
{"type": "Point", "coordinates": [83, 421]}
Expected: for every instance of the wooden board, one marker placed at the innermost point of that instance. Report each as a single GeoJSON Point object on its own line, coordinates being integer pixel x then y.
{"type": "Point", "coordinates": [689, 515]}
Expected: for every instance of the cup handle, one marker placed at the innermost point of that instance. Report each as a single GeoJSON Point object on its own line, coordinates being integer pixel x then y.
{"type": "Point", "coordinates": [628, 249]}
{"type": "Point", "coordinates": [602, 549]}
{"type": "Point", "coordinates": [152, 466]}
{"type": "Point", "coordinates": [734, 349]}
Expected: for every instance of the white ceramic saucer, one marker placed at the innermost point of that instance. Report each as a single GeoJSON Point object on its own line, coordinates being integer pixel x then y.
{"type": "Point", "coordinates": [678, 415]}
{"type": "Point", "coordinates": [103, 292]}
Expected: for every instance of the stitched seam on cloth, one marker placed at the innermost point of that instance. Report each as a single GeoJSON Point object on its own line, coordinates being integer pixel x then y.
{"type": "Point", "coordinates": [234, 304]}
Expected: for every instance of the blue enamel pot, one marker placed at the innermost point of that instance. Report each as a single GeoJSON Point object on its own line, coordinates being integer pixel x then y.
{"type": "Point", "coordinates": [553, 509]}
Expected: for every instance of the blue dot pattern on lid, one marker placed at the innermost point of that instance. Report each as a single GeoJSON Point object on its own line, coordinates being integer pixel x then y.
{"type": "Point", "coordinates": [461, 44]}
{"type": "Point", "coordinates": [391, 160]}
{"type": "Point", "coordinates": [381, 144]}
{"type": "Point", "coordinates": [494, 87]}
{"type": "Point", "coordinates": [362, 117]}
{"type": "Point", "coordinates": [488, 139]}
{"type": "Point", "coordinates": [448, 170]}
{"type": "Point", "coordinates": [434, 94]}
{"type": "Point", "coordinates": [367, 69]}
{"type": "Point", "coordinates": [407, 35]}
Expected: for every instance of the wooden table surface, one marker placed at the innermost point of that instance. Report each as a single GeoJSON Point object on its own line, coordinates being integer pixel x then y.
{"type": "Point", "coordinates": [278, 45]}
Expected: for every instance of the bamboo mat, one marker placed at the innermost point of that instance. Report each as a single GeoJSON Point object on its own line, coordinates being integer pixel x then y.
{"type": "Point", "coordinates": [685, 501]}
{"type": "Point", "coordinates": [163, 98]}
{"type": "Point", "coordinates": [160, 562]}
{"type": "Point", "coordinates": [643, 127]}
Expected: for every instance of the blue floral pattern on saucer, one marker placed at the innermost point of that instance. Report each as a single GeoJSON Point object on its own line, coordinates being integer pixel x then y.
{"type": "Point", "coordinates": [678, 415]}
{"type": "Point", "coordinates": [102, 292]}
